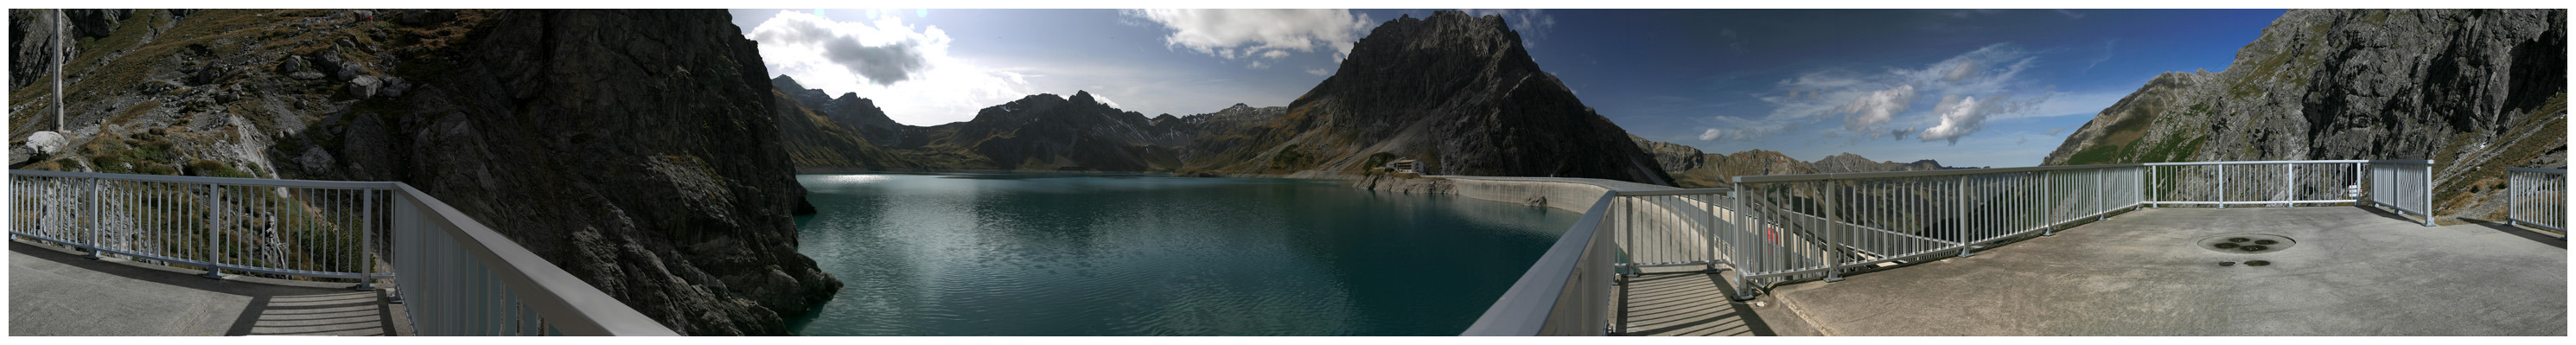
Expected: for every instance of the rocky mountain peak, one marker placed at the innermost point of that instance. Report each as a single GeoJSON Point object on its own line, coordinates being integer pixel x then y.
{"type": "Point", "coordinates": [1080, 96]}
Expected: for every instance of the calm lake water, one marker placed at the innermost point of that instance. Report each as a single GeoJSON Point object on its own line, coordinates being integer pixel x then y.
{"type": "Point", "coordinates": [1137, 255]}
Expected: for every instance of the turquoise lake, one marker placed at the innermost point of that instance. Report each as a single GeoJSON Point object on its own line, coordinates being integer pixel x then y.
{"type": "Point", "coordinates": [1056, 254]}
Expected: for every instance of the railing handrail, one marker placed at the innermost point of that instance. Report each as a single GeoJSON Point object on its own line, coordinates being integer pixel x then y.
{"type": "Point", "coordinates": [1524, 309]}
{"type": "Point", "coordinates": [2285, 162]}
{"type": "Point", "coordinates": [590, 311]}
{"type": "Point", "coordinates": [1661, 192]}
{"type": "Point", "coordinates": [1917, 173]}
{"type": "Point", "coordinates": [228, 181]}
{"type": "Point", "coordinates": [2538, 170]}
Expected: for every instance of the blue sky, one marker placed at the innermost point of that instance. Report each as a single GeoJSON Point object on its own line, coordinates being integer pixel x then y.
{"type": "Point", "coordinates": [1966, 87]}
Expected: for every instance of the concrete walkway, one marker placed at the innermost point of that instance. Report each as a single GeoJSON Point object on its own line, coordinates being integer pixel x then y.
{"type": "Point", "coordinates": [54, 291]}
{"type": "Point", "coordinates": [2351, 272]}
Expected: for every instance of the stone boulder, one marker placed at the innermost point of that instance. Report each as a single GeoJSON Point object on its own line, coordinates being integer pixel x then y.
{"type": "Point", "coordinates": [46, 143]}
{"type": "Point", "coordinates": [363, 87]}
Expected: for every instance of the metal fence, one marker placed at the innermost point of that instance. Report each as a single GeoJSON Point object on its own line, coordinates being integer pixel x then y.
{"type": "Point", "coordinates": [2537, 198]}
{"type": "Point", "coordinates": [456, 277]}
{"type": "Point", "coordinates": [1568, 291]}
{"type": "Point", "coordinates": [1821, 225]}
{"type": "Point", "coordinates": [2260, 184]}
{"type": "Point", "coordinates": [1777, 228]}
{"type": "Point", "coordinates": [2404, 186]}
{"type": "Point", "coordinates": [317, 230]}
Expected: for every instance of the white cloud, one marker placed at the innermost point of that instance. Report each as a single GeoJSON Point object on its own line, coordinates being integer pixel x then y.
{"type": "Point", "coordinates": [1095, 96]}
{"type": "Point", "coordinates": [1967, 68]}
{"type": "Point", "coordinates": [1877, 101]}
{"type": "Point", "coordinates": [1712, 135]}
{"type": "Point", "coordinates": [1959, 116]}
{"type": "Point", "coordinates": [1257, 65]}
{"type": "Point", "coordinates": [905, 68]}
{"type": "Point", "coordinates": [1877, 107]}
{"type": "Point", "coordinates": [1267, 33]}
{"type": "Point", "coordinates": [1320, 71]}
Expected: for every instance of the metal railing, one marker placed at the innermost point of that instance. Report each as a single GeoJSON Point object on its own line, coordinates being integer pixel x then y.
{"type": "Point", "coordinates": [1777, 228]}
{"type": "Point", "coordinates": [2261, 183]}
{"type": "Point", "coordinates": [1567, 292]}
{"type": "Point", "coordinates": [2537, 198]}
{"type": "Point", "coordinates": [1821, 225]}
{"type": "Point", "coordinates": [273, 228]}
{"type": "Point", "coordinates": [454, 276]}
{"type": "Point", "coordinates": [2404, 186]}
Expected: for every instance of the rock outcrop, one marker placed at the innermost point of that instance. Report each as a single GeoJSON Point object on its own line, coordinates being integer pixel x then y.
{"type": "Point", "coordinates": [637, 149]}
{"type": "Point", "coordinates": [1456, 91]}
{"type": "Point", "coordinates": [1671, 157]}
{"type": "Point", "coordinates": [2474, 90]}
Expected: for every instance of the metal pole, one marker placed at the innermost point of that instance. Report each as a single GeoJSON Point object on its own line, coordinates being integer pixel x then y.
{"type": "Point", "coordinates": [214, 219]}
{"type": "Point", "coordinates": [1964, 241]}
{"type": "Point", "coordinates": [367, 241]}
{"type": "Point", "coordinates": [2290, 181]}
{"type": "Point", "coordinates": [1833, 255]}
{"type": "Point", "coordinates": [60, 25]}
{"type": "Point", "coordinates": [2102, 211]}
{"type": "Point", "coordinates": [97, 235]}
{"type": "Point", "coordinates": [2048, 204]}
{"type": "Point", "coordinates": [1628, 226]}
{"type": "Point", "coordinates": [2221, 192]}
{"type": "Point", "coordinates": [2428, 193]}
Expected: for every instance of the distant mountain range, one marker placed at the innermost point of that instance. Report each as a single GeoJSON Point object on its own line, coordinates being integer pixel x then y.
{"type": "Point", "coordinates": [1694, 169]}
{"type": "Point", "coordinates": [1455, 91]}
{"type": "Point", "coordinates": [2474, 90]}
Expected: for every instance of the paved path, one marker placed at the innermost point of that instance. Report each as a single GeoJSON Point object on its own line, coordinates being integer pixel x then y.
{"type": "Point", "coordinates": [2352, 272]}
{"type": "Point", "coordinates": [54, 291]}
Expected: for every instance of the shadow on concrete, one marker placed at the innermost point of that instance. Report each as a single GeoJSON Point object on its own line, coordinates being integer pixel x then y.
{"type": "Point", "coordinates": [1686, 304]}
{"type": "Point", "coordinates": [2535, 235]}
{"type": "Point", "coordinates": [276, 307]}
{"type": "Point", "coordinates": [2388, 213]}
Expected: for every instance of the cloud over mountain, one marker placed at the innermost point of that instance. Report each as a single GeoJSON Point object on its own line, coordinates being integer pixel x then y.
{"type": "Point", "coordinates": [884, 57]}
{"type": "Point", "coordinates": [1263, 33]}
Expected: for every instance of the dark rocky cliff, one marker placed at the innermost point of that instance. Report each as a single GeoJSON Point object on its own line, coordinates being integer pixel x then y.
{"type": "Point", "coordinates": [1456, 91]}
{"type": "Point", "coordinates": [636, 149]}
{"type": "Point", "coordinates": [2474, 90]}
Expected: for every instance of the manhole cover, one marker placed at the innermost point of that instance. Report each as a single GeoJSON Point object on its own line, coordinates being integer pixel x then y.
{"type": "Point", "coordinates": [2246, 243]}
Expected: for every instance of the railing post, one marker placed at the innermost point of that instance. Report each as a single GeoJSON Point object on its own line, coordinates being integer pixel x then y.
{"type": "Point", "coordinates": [2047, 203]}
{"type": "Point", "coordinates": [1833, 247]}
{"type": "Point", "coordinates": [1964, 241]}
{"type": "Point", "coordinates": [1628, 228]}
{"type": "Point", "coordinates": [367, 240]}
{"type": "Point", "coordinates": [2220, 194]}
{"type": "Point", "coordinates": [214, 233]}
{"type": "Point", "coordinates": [2101, 210]}
{"type": "Point", "coordinates": [2145, 195]}
{"type": "Point", "coordinates": [2290, 181]}
{"type": "Point", "coordinates": [2427, 203]}
{"type": "Point", "coordinates": [97, 236]}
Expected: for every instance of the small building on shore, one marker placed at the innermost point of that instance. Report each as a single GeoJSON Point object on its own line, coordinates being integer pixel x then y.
{"type": "Point", "coordinates": [1407, 165]}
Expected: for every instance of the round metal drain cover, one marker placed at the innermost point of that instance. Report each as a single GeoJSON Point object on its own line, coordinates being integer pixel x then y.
{"type": "Point", "coordinates": [2246, 243]}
